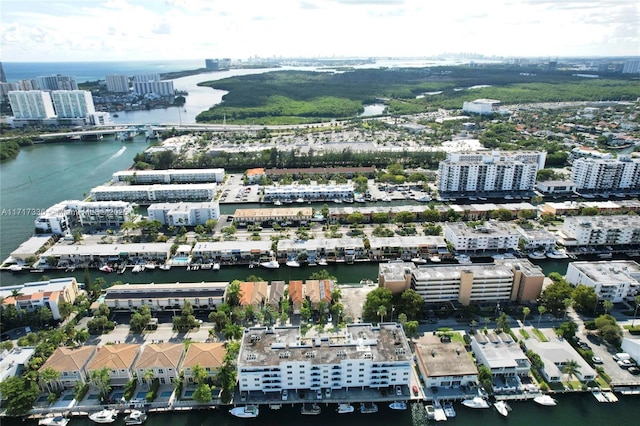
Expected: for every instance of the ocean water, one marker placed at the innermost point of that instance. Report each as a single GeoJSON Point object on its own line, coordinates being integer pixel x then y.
{"type": "Point", "coordinates": [92, 71]}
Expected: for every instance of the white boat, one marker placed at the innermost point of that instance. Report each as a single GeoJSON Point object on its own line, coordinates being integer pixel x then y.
{"type": "Point", "coordinates": [322, 262]}
{"type": "Point", "coordinates": [136, 269]}
{"type": "Point", "coordinates": [246, 412]}
{"type": "Point", "coordinates": [216, 266]}
{"type": "Point", "coordinates": [54, 420]}
{"type": "Point", "coordinates": [605, 255]}
{"type": "Point", "coordinates": [337, 201]}
{"type": "Point", "coordinates": [150, 266]}
{"type": "Point", "coordinates": [424, 199]}
{"type": "Point", "coordinates": [419, 260]}
{"type": "Point", "coordinates": [275, 406]}
{"type": "Point", "coordinates": [449, 410]}
{"type": "Point", "coordinates": [277, 203]}
{"type": "Point", "coordinates": [503, 408]}
{"type": "Point", "coordinates": [431, 412]}
{"type": "Point", "coordinates": [475, 402]}
{"type": "Point", "coordinates": [398, 405]}
{"type": "Point", "coordinates": [364, 409]}
{"type": "Point", "coordinates": [105, 268]}
{"type": "Point", "coordinates": [136, 417]}
{"type": "Point", "coordinates": [293, 263]}
{"type": "Point", "coordinates": [537, 255]}
{"type": "Point", "coordinates": [463, 259]}
{"type": "Point", "coordinates": [15, 268]}
{"type": "Point", "coordinates": [345, 408]}
{"type": "Point", "coordinates": [165, 267]}
{"type": "Point", "coordinates": [545, 400]}
{"type": "Point", "coordinates": [312, 410]}
{"type": "Point", "coordinates": [206, 266]}
{"type": "Point", "coordinates": [104, 416]}
{"type": "Point", "coordinates": [272, 264]}
{"type": "Point", "coordinates": [438, 412]}
{"type": "Point", "coordinates": [557, 254]}
{"type": "Point", "coordinates": [435, 259]}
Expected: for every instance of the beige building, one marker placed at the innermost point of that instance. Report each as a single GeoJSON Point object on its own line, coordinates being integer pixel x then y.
{"type": "Point", "coordinates": [71, 363]}
{"type": "Point", "coordinates": [161, 360]}
{"type": "Point", "coordinates": [444, 363]}
{"type": "Point", "coordinates": [209, 356]}
{"type": "Point", "coordinates": [118, 359]}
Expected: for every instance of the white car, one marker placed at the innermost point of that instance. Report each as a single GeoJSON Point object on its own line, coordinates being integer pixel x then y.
{"type": "Point", "coordinates": [285, 395]}
{"type": "Point", "coordinates": [398, 391]}
{"type": "Point", "coordinates": [327, 392]}
{"type": "Point", "coordinates": [319, 394]}
{"type": "Point", "coordinates": [597, 360]}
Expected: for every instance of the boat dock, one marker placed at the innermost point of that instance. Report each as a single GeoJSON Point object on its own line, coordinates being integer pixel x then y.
{"type": "Point", "coordinates": [605, 396]}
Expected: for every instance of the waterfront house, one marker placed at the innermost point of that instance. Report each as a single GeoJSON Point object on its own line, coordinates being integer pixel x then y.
{"type": "Point", "coordinates": [85, 254]}
{"type": "Point", "coordinates": [161, 360]}
{"type": "Point", "coordinates": [502, 355]}
{"type": "Point", "coordinates": [444, 363]}
{"type": "Point", "coordinates": [296, 295]}
{"type": "Point", "coordinates": [554, 355]}
{"type": "Point", "coordinates": [118, 359]}
{"type": "Point", "coordinates": [232, 252]}
{"type": "Point", "coordinates": [165, 297]}
{"type": "Point", "coordinates": [284, 216]}
{"type": "Point", "coordinates": [184, 214]}
{"type": "Point", "coordinates": [490, 237]}
{"type": "Point", "coordinates": [276, 293]}
{"type": "Point", "coordinates": [42, 294]}
{"type": "Point", "coordinates": [209, 356]}
{"type": "Point", "coordinates": [14, 362]}
{"type": "Point", "coordinates": [254, 294]}
{"type": "Point", "coordinates": [71, 364]}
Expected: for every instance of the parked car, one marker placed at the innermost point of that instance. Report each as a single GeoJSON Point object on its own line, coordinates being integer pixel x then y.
{"type": "Point", "coordinates": [319, 394]}
{"type": "Point", "coordinates": [625, 363]}
{"type": "Point", "coordinates": [327, 392]}
{"type": "Point", "coordinates": [597, 360]}
{"type": "Point", "coordinates": [398, 391]}
{"type": "Point", "coordinates": [634, 370]}
{"type": "Point", "coordinates": [414, 388]}
{"type": "Point", "coordinates": [285, 394]}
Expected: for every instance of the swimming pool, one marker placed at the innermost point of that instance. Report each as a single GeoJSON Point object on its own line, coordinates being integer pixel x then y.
{"type": "Point", "coordinates": [141, 395]}
{"type": "Point", "coordinates": [188, 393]}
{"type": "Point", "coordinates": [181, 260]}
{"type": "Point", "coordinates": [166, 394]}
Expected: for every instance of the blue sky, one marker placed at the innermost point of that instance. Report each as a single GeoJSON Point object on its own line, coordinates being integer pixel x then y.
{"type": "Point", "coordinates": [82, 30]}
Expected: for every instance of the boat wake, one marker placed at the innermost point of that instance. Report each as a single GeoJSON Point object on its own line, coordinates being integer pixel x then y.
{"type": "Point", "coordinates": [118, 154]}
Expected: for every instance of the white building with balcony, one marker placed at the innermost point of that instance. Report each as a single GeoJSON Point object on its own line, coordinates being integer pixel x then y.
{"type": "Point", "coordinates": [184, 214]}
{"type": "Point", "coordinates": [72, 103]}
{"type": "Point", "coordinates": [146, 177]}
{"type": "Point", "coordinates": [492, 236]}
{"type": "Point", "coordinates": [606, 174]}
{"type": "Point", "coordinates": [501, 354]}
{"type": "Point", "coordinates": [614, 280]}
{"type": "Point", "coordinates": [147, 194]}
{"type": "Point", "coordinates": [32, 104]}
{"type": "Point", "coordinates": [601, 230]}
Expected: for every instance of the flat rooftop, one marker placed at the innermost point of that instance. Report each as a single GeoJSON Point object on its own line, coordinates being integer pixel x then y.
{"type": "Point", "coordinates": [610, 272]}
{"type": "Point", "coordinates": [444, 358]}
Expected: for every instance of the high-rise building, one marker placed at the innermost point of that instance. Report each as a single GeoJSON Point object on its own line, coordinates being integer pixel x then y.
{"type": "Point", "coordinates": [28, 84]}
{"type": "Point", "coordinates": [606, 174]}
{"type": "Point", "coordinates": [145, 78]}
{"type": "Point", "coordinates": [211, 64]}
{"type": "Point", "coordinates": [57, 82]}
{"type": "Point", "coordinates": [117, 83]}
{"type": "Point", "coordinates": [3, 77]}
{"type": "Point", "coordinates": [33, 104]}
{"type": "Point", "coordinates": [631, 66]}
{"type": "Point", "coordinates": [162, 88]}
{"type": "Point", "coordinates": [5, 88]}
{"type": "Point", "coordinates": [72, 103]}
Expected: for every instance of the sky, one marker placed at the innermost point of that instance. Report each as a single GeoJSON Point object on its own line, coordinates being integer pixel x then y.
{"type": "Point", "coordinates": [105, 30]}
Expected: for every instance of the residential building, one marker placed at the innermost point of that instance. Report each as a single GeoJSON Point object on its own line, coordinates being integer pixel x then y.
{"type": "Point", "coordinates": [42, 294]}
{"type": "Point", "coordinates": [58, 218]}
{"type": "Point", "coordinates": [160, 360]}
{"type": "Point", "coordinates": [396, 276]}
{"type": "Point", "coordinates": [348, 172]}
{"type": "Point", "coordinates": [5, 88]}
{"type": "Point", "coordinates": [296, 295]}
{"type": "Point", "coordinates": [254, 175]}
{"type": "Point", "coordinates": [501, 354]}
{"type": "Point", "coordinates": [160, 88]}
{"type": "Point", "coordinates": [592, 231]}
{"type": "Point", "coordinates": [318, 291]}
{"type": "Point", "coordinates": [308, 192]}
{"type": "Point", "coordinates": [555, 353]}
{"type": "Point", "coordinates": [165, 297]}
{"type": "Point", "coordinates": [84, 254]}
{"type": "Point", "coordinates": [283, 215]}
{"type": "Point", "coordinates": [255, 294]}
{"type": "Point", "coordinates": [406, 248]}
{"type": "Point", "coordinates": [27, 84]}
{"type": "Point", "coordinates": [118, 359]}
{"type": "Point", "coordinates": [14, 362]}
{"type": "Point", "coordinates": [500, 172]}
{"type": "Point", "coordinates": [72, 103]}
{"type": "Point", "coordinates": [444, 363]}
{"type": "Point", "coordinates": [606, 175]}
{"type": "Point", "coordinates": [55, 220]}
{"type": "Point", "coordinates": [631, 345]}
{"type": "Point", "coordinates": [57, 82]}
{"type": "Point", "coordinates": [481, 106]}
{"type": "Point", "coordinates": [537, 239]}
{"type": "Point", "coordinates": [232, 252]}
{"type": "Point", "coordinates": [631, 66]}
{"type": "Point", "coordinates": [32, 104]}
{"type": "Point", "coordinates": [147, 194]}
{"type": "Point", "coordinates": [144, 78]}
{"type": "Point", "coordinates": [358, 356]}
{"type": "Point", "coordinates": [276, 293]}
{"type": "Point", "coordinates": [117, 83]}
{"type": "Point", "coordinates": [209, 356]}
{"type": "Point", "coordinates": [31, 247]}
{"type": "Point", "coordinates": [147, 177]}
{"type": "Point", "coordinates": [556, 187]}
{"type": "Point", "coordinates": [184, 214]}
{"type": "Point", "coordinates": [345, 249]}
{"type": "Point", "coordinates": [614, 280]}
{"type": "Point", "coordinates": [491, 236]}
{"type": "Point", "coordinates": [71, 363]}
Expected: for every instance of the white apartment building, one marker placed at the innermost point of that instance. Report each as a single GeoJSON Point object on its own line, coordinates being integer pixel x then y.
{"type": "Point", "coordinates": [501, 354]}
{"type": "Point", "coordinates": [232, 252]}
{"type": "Point", "coordinates": [104, 253]}
{"type": "Point", "coordinates": [601, 230]}
{"type": "Point", "coordinates": [480, 106]}
{"type": "Point", "coordinates": [72, 103]}
{"type": "Point", "coordinates": [117, 83]}
{"type": "Point", "coordinates": [27, 84]}
{"type": "Point", "coordinates": [606, 174]}
{"type": "Point", "coordinates": [184, 214]}
{"type": "Point", "coordinates": [611, 280]}
{"type": "Point", "coordinates": [537, 239]}
{"type": "Point", "coordinates": [308, 192]}
{"type": "Point", "coordinates": [491, 236]}
{"type": "Point", "coordinates": [358, 356]}
{"type": "Point", "coordinates": [165, 297]}
{"type": "Point", "coordinates": [169, 176]}
{"type": "Point", "coordinates": [40, 294]}
{"type": "Point", "coordinates": [57, 82]}
{"type": "Point", "coordinates": [162, 88]}
{"type": "Point", "coordinates": [144, 78]}
{"type": "Point", "coordinates": [478, 173]}
{"type": "Point", "coordinates": [32, 104]}
{"type": "Point", "coordinates": [147, 194]}
{"type": "Point", "coordinates": [54, 220]}
{"type": "Point", "coordinates": [58, 218]}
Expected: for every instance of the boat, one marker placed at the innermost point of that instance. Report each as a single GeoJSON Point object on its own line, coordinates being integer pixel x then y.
{"type": "Point", "coordinates": [475, 402]}
{"type": "Point", "coordinates": [70, 269]}
{"type": "Point", "coordinates": [424, 199]}
{"type": "Point", "coordinates": [557, 254]}
{"type": "Point", "coordinates": [300, 200]}
{"type": "Point", "coordinates": [438, 412]}
{"type": "Point", "coordinates": [449, 411]}
{"type": "Point", "coordinates": [368, 409]}
{"type": "Point", "coordinates": [312, 410]}
{"type": "Point", "coordinates": [122, 269]}
{"type": "Point", "coordinates": [537, 255]}
{"type": "Point", "coordinates": [419, 260]}
{"type": "Point", "coordinates": [206, 266]}
{"type": "Point", "coordinates": [337, 201]}
{"type": "Point", "coordinates": [105, 268]}
{"type": "Point", "coordinates": [137, 268]}
{"type": "Point", "coordinates": [463, 259]}
{"type": "Point", "coordinates": [431, 412]}
{"type": "Point", "coordinates": [275, 406]}
{"type": "Point", "coordinates": [165, 267]}
{"type": "Point", "coordinates": [545, 400]}
{"type": "Point", "coordinates": [150, 266]}
{"type": "Point", "coordinates": [104, 416]}
{"type": "Point", "coordinates": [345, 408]}
{"type": "Point", "coordinates": [136, 417]}
{"type": "Point", "coordinates": [435, 259]}
{"type": "Point", "coordinates": [293, 263]}
{"type": "Point", "coordinates": [36, 270]}
{"type": "Point", "coordinates": [503, 408]}
{"type": "Point", "coordinates": [398, 405]}
{"type": "Point", "coordinates": [216, 266]}
{"type": "Point", "coordinates": [605, 255]}
{"type": "Point", "coordinates": [246, 412]}
{"type": "Point", "coordinates": [15, 268]}
{"type": "Point", "coordinates": [272, 264]}
{"type": "Point", "coordinates": [277, 203]}
{"type": "Point", "coordinates": [322, 262]}
{"type": "Point", "coordinates": [54, 420]}
{"type": "Point", "coordinates": [366, 282]}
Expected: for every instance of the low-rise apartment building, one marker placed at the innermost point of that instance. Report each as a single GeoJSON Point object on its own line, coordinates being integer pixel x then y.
{"type": "Point", "coordinates": [308, 192]}
{"type": "Point", "coordinates": [230, 253]}
{"type": "Point", "coordinates": [501, 354]}
{"type": "Point", "coordinates": [81, 255]}
{"type": "Point", "coordinates": [590, 231]}
{"type": "Point", "coordinates": [165, 297]}
{"type": "Point", "coordinates": [42, 294]}
{"type": "Point", "coordinates": [614, 280]}
{"type": "Point", "coordinates": [71, 364]}
{"type": "Point", "coordinates": [555, 354]}
{"type": "Point", "coordinates": [444, 363]}
{"type": "Point", "coordinates": [283, 216]}
{"type": "Point", "coordinates": [184, 214]}
{"type": "Point", "coordinates": [148, 194]}
{"type": "Point", "coordinates": [147, 177]}
{"type": "Point", "coordinates": [492, 236]}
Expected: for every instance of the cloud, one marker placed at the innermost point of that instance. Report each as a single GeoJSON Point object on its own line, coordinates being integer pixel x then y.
{"type": "Point", "coordinates": [161, 28]}
{"type": "Point", "coordinates": [371, 2]}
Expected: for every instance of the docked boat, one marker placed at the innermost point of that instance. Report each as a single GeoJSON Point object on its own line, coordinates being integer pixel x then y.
{"type": "Point", "coordinates": [503, 408]}
{"type": "Point", "coordinates": [419, 260]}
{"type": "Point", "coordinates": [312, 410]}
{"type": "Point", "coordinates": [605, 255]}
{"type": "Point", "coordinates": [136, 417]}
{"type": "Point", "coordinates": [206, 266]}
{"type": "Point", "coordinates": [475, 402]}
{"type": "Point", "coordinates": [366, 282]}
{"type": "Point", "coordinates": [36, 270]}
{"type": "Point", "coordinates": [105, 416]}
{"type": "Point", "coordinates": [463, 259]}
{"type": "Point", "coordinates": [424, 199]}
{"type": "Point", "coordinates": [216, 266]}
{"type": "Point", "coordinates": [293, 263]}
{"type": "Point", "coordinates": [272, 264]}
{"type": "Point", "coordinates": [345, 408]}
{"type": "Point", "coordinates": [431, 412]}
{"type": "Point", "coordinates": [438, 412]}
{"type": "Point", "coordinates": [545, 400]}
{"type": "Point", "coordinates": [150, 266]}
{"type": "Point", "coordinates": [15, 268]}
{"type": "Point", "coordinates": [398, 405]}
{"type": "Point", "coordinates": [137, 268]}
{"type": "Point", "coordinates": [246, 412]}
{"type": "Point", "coordinates": [322, 262]}
{"type": "Point", "coordinates": [449, 411]}
{"type": "Point", "coordinates": [537, 255]}
{"type": "Point", "coordinates": [368, 409]}
{"type": "Point", "coordinates": [435, 259]}
{"type": "Point", "coordinates": [557, 254]}
{"type": "Point", "coordinates": [277, 203]}
{"type": "Point", "coordinates": [165, 267]}
{"type": "Point", "coordinates": [54, 420]}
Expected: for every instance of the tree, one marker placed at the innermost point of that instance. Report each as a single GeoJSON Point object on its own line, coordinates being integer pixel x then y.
{"type": "Point", "coordinates": [502, 322]}
{"type": "Point", "coordinates": [402, 318]}
{"type": "Point", "coordinates": [233, 293]}
{"type": "Point", "coordinates": [48, 376]}
{"type": "Point", "coordinates": [571, 368]}
{"type": "Point", "coordinates": [140, 319]}
{"type": "Point", "coordinates": [410, 327]}
{"type": "Point", "coordinates": [568, 303]}
{"type": "Point", "coordinates": [567, 329]}
{"type": "Point", "coordinates": [355, 218]}
{"type": "Point", "coordinates": [411, 303]}
{"type": "Point", "coordinates": [148, 377]}
{"type": "Point", "coordinates": [102, 381]}
{"type": "Point", "coordinates": [19, 392]}
{"type": "Point", "coordinates": [376, 298]}
{"type": "Point", "coordinates": [585, 298]}
{"type": "Point", "coordinates": [381, 312]}
{"type": "Point", "coordinates": [541, 311]}
{"type": "Point", "coordinates": [635, 311]}
{"type": "Point", "coordinates": [202, 394]}
{"type": "Point", "coordinates": [525, 311]}
{"type": "Point", "coordinates": [607, 305]}
{"type": "Point", "coordinates": [555, 293]}
{"type": "Point", "coordinates": [485, 378]}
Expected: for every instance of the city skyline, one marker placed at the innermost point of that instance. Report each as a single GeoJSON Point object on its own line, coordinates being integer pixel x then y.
{"type": "Point", "coordinates": [111, 30]}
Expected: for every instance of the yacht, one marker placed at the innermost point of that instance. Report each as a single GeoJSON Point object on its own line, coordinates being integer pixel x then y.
{"type": "Point", "coordinates": [312, 410]}
{"type": "Point", "coordinates": [136, 417]}
{"type": "Point", "coordinates": [398, 405]}
{"type": "Point", "coordinates": [15, 268]}
{"type": "Point", "coordinates": [435, 259]}
{"type": "Point", "coordinates": [345, 408]}
{"type": "Point", "coordinates": [322, 262]}
{"type": "Point", "coordinates": [364, 409]}
{"type": "Point", "coordinates": [104, 416]}
{"type": "Point", "coordinates": [277, 203]}
{"type": "Point", "coordinates": [503, 408]}
{"type": "Point", "coordinates": [557, 254]}
{"type": "Point", "coordinates": [216, 266]}
{"type": "Point", "coordinates": [537, 255]}
{"type": "Point", "coordinates": [206, 266]}
{"type": "Point", "coordinates": [419, 260]}
{"type": "Point", "coordinates": [431, 412]}
{"type": "Point", "coordinates": [54, 420]}
{"type": "Point", "coordinates": [545, 400]}
{"type": "Point", "coordinates": [438, 412]}
{"type": "Point", "coordinates": [475, 402]}
{"type": "Point", "coordinates": [463, 259]}
{"type": "Point", "coordinates": [137, 268]}
{"type": "Point", "coordinates": [449, 410]}
{"type": "Point", "coordinates": [246, 412]}
{"type": "Point", "coordinates": [293, 263]}
{"type": "Point", "coordinates": [105, 268]}
{"type": "Point", "coordinates": [150, 266]}
{"type": "Point", "coordinates": [272, 264]}
{"type": "Point", "coordinates": [165, 267]}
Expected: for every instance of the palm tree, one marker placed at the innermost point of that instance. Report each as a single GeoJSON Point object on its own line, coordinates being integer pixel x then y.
{"type": "Point", "coordinates": [525, 311]}
{"type": "Point", "coordinates": [568, 303]}
{"type": "Point", "coordinates": [607, 305]}
{"type": "Point", "coordinates": [541, 311]}
{"type": "Point", "coordinates": [48, 376]}
{"type": "Point", "coordinates": [148, 377]}
{"type": "Point", "coordinates": [382, 311]}
{"type": "Point", "coordinates": [572, 368]}
{"type": "Point", "coordinates": [637, 300]}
